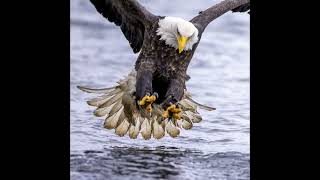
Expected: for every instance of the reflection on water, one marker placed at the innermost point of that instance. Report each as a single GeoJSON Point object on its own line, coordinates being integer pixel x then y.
{"type": "Point", "coordinates": [122, 161]}
{"type": "Point", "coordinates": [158, 163]}
{"type": "Point", "coordinates": [152, 162]}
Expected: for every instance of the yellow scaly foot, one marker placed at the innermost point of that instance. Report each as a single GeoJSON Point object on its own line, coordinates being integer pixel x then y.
{"type": "Point", "coordinates": [172, 112]}
{"type": "Point", "coordinates": [147, 101]}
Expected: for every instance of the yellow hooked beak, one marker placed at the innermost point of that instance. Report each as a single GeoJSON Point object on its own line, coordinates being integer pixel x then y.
{"type": "Point", "coordinates": [182, 43]}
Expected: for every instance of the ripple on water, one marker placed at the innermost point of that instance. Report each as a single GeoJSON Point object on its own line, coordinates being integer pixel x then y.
{"type": "Point", "coordinates": [159, 163]}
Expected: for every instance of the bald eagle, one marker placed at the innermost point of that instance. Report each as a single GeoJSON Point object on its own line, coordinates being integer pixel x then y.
{"type": "Point", "coordinates": [153, 99]}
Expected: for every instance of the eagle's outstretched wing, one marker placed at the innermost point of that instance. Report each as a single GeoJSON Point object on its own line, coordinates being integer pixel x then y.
{"type": "Point", "coordinates": [204, 18]}
{"type": "Point", "coordinates": [242, 8]}
{"type": "Point", "coordinates": [132, 18]}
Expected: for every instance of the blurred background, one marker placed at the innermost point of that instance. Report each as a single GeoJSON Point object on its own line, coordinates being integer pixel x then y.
{"type": "Point", "coordinates": [216, 148]}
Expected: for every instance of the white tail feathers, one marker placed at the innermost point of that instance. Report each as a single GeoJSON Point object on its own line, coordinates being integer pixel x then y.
{"type": "Point", "coordinates": [113, 99]}
{"type": "Point", "coordinates": [208, 108]}
{"type": "Point", "coordinates": [122, 129]}
{"type": "Point", "coordinates": [89, 90]}
{"type": "Point", "coordinates": [99, 112]}
{"type": "Point", "coordinates": [186, 123]}
{"type": "Point", "coordinates": [158, 131]}
{"type": "Point", "coordinates": [99, 100]}
{"type": "Point", "coordinates": [187, 105]}
{"type": "Point", "coordinates": [171, 129]}
{"type": "Point", "coordinates": [134, 131]}
{"type": "Point", "coordinates": [112, 121]}
{"type": "Point", "coordinates": [146, 129]}
{"type": "Point", "coordinates": [116, 107]}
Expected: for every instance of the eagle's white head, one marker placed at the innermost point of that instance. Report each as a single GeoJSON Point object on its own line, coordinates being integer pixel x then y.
{"type": "Point", "coordinates": [178, 33]}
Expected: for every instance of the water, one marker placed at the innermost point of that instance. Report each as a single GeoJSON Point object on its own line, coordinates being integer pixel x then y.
{"type": "Point", "coordinates": [216, 148]}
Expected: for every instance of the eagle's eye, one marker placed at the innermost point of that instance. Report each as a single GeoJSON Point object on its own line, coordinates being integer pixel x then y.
{"type": "Point", "coordinates": [178, 33]}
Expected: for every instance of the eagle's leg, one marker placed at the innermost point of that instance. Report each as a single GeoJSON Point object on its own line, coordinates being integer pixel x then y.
{"type": "Point", "coordinates": [144, 89]}
{"type": "Point", "coordinates": [173, 96]}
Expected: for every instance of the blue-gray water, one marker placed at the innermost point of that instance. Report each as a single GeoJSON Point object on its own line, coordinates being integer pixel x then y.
{"type": "Point", "coordinates": [216, 148]}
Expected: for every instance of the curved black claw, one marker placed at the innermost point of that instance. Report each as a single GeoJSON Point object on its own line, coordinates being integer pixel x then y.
{"type": "Point", "coordinates": [172, 112]}
{"type": "Point", "coordinates": [168, 102]}
{"type": "Point", "coordinates": [156, 94]}
{"type": "Point", "coordinates": [171, 108]}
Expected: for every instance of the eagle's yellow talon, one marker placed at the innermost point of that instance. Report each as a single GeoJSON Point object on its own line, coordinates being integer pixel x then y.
{"type": "Point", "coordinates": [165, 114]}
{"type": "Point", "coordinates": [174, 112]}
{"type": "Point", "coordinates": [149, 108]}
{"type": "Point", "coordinates": [147, 101]}
{"type": "Point", "coordinates": [142, 102]}
{"type": "Point", "coordinates": [176, 116]}
{"type": "Point", "coordinates": [151, 99]}
{"type": "Point", "coordinates": [172, 107]}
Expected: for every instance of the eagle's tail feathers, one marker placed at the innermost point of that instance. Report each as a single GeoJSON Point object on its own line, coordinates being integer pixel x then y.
{"type": "Point", "coordinates": [115, 108]}
{"type": "Point", "coordinates": [186, 123]}
{"type": "Point", "coordinates": [171, 129]}
{"type": "Point", "coordinates": [194, 117]}
{"type": "Point", "coordinates": [134, 129]}
{"type": "Point", "coordinates": [116, 98]}
{"type": "Point", "coordinates": [99, 101]}
{"type": "Point", "coordinates": [202, 106]}
{"type": "Point", "coordinates": [111, 121]}
{"type": "Point", "coordinates": [146, 129]}
{"type": "Point", "coordinates": [99, 112]}
{"type": "Point", "coordinates": [123, 127]}
{"type": "Point", "coordinates": [90, 90]}
{"type": "Point", "coordinates": [122, 114]}
{"type": "Point", "coordinates": [158, 130]}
